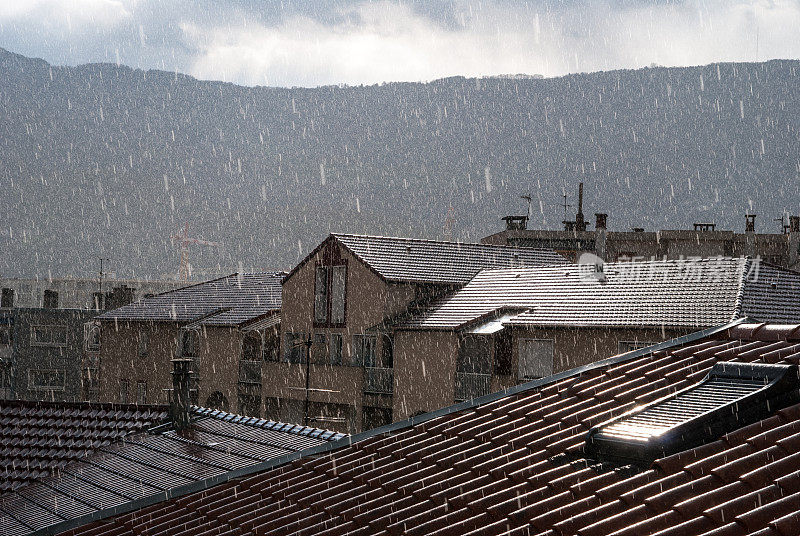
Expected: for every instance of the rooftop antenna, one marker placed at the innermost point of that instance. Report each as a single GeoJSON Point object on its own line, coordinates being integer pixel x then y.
{"type": "Point", "coordinates": [564, 205]}
{"type": "Point", "coordinates": [528, 199]}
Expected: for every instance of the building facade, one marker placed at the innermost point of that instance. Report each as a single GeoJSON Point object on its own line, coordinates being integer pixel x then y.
{"type": "Point", "coordinates": [48, 339]}
{"type": "Point", "coordinates": [507, 327]}
{"type": "Point", "coordinates": [227, 327]}
{"type": "Point", "coordinates": [337, 306]}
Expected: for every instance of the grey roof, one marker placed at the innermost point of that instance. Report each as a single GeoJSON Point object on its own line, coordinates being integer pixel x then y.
{"type": "Point", "coordinates": [431, 261]}
{"type": "Point", "coordinates": [228, 301]}
{"type": "Point", "coordinates": [146, 464]}
{"type": "Point", "coordinates": [685, 293]}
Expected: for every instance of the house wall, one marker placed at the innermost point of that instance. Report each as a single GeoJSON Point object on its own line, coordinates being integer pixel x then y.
{"type": "Point", "coordinates": [119, 359]}
{"type": "Point", "coordinates": [369, 300]}
{"type": "Point", "coordinates": [218, 363]}
{"type": "Point", "coordinates": [424, 371]}
{"type": "Point", "coordinates": [26, 356]}
{"type": "Point", "coordinates": [425, 361]}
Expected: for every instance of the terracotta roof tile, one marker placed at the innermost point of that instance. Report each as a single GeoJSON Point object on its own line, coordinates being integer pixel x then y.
{"type": "Point", "coordinates": [517, 466]}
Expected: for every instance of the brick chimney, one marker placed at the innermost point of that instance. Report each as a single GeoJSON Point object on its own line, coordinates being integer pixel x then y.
{"type": "Point", "coordinates": [600, 235]}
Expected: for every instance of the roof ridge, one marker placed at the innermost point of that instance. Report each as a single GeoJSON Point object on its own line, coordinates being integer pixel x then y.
{"type": "Point", "coordinates": [743, 269]}
{"type": "Point", "coordinates": [257, 422]}
{"type": "Point", "coordinates": [434, 241]}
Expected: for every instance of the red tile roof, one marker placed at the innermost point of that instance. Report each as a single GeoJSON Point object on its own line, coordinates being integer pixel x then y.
{"type": "Point", "coordinates": [514, 463]}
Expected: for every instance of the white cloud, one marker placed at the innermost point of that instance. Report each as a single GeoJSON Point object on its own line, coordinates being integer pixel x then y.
{"type": "Point", "coordinates": [388, 41]}
{"type": "Point", "coordinates": [70, 14]}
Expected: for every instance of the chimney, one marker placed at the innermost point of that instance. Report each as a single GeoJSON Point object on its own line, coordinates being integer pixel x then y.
{"type": "Point", "coordinates": [750, 235]}
{"type": "Point", "coordinates": [516, 223]}
{"type": "Point", "coordinates": [750, 223]}
{"type": "Point", "coordinates": [179, 406]}
{"type": "Point", "coordinates": [794, 241]}
{"type": "Point", "coordinates": [600, 235]}
{"type": "Point", "coordinates": [580, 221]}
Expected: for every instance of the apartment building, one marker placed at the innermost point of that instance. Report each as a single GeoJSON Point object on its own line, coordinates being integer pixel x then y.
{"type": "Point", "coordinates": [338, 304]}
{"type": "Point", "coordinates": [513, 325]}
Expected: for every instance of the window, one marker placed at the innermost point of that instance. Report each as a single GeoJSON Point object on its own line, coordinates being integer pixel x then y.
{"type": "Point", "coordinates": [46, 380]}
{"type": "Point", "coordinates": [319, 350]}
{"type": "Point", "coordinates": [141, 392]}
{"type": "Point", "coordinates": [250, 372]}
{"type": "Point", "coordinates": [321, 295]}
{"type": "Point", "coordinates": [7, 299]}
{"type": "Point", "coordinates": [335, 349]}
{"type": "Point", "coordinates": [329, 295]}
{"type": "Point", "coordinates": [123, 391]}
{"type": "Point", "coordinates": [502, 353]}
{"type": "Point", "coordinates": [144, 340]}
{"type": "Point", "coordinates": [189, 343]}
{"type": "Point", "coordinates": [249, 405]}
{"type": "Point", "coordinates": [364, 350]}
{"type": "Point", "coordinates": [251, 346]}
{"type": "Point", "coordinates": [338, 293]}
{"type": "Point", "coordinates": [49, 336]}
{"type": "Point", "coordinates": [5, 375]}
{"type": "Point", "coordinates": [50, 299]}
{"type": "Point", "coordinates": [473, 355]}
{"type": "Point", "coordinates": [629, 346]}
{"type": "Point", "coordinates": [535, 358]}
{"type": "Point", "coordinates": [294, 347]}
{"type": "Point", "coordinates": [375, 417]}
{"type": "Point", "coordinates": [6, 334]}
{"type": "Point", "coordinates": [387, 351]}
{"type": "Point", "coordinates": [91, 336]}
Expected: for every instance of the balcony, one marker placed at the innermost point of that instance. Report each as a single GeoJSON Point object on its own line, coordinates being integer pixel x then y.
{"type": "Point", "coordinates": [250, 372]}
{"type": "Point", "coordinates": [472, 385]}
{"type": "Point", "coordinates": [378, 380]}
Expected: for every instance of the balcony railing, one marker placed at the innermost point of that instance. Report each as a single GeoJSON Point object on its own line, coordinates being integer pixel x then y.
{"type": "Point", "coordinates": [378, 380]}
{"type": "Point", "coordinates": [472, 385]}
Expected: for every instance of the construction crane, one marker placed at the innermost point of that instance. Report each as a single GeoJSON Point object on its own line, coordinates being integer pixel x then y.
{"type": "Point", "coordinates": [183, 241]}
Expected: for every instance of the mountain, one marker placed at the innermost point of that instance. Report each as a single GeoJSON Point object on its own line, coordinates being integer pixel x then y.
{"type": "Point", "coordinates": [107, 161]}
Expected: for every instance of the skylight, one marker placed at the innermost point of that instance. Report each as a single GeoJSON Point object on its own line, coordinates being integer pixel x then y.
{"type": "Point", "coordinates": [732, 395]}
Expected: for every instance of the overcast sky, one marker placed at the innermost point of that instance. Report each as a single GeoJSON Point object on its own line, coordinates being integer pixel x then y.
{"type": "Point", "coordinates": [317, 42]}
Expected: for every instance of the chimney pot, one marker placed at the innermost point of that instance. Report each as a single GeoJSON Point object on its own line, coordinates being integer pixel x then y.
{"type": "Point", "coordinates": [600, 220]}
{"type": "Point", "coordinates": [750, 223]}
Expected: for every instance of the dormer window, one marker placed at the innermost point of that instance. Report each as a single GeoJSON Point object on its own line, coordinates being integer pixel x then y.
{"type": "Point", "coordinates": [732, 395]}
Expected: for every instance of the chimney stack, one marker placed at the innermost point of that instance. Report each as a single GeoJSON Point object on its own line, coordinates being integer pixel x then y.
{"type": "Point", "coordinates": [179, 407]}
{"type": "Point", "coordinates": [750, 223]}
{"type": "Point", "coordinates": [750, 235]}
{"type": "Point", "coordinates": [580, 221]}
{"type": "Point", "coordinates": [600, 235]}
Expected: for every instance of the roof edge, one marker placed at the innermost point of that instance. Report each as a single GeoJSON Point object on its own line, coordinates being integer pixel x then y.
{"type": "Point", "coordinates": [202, 485]}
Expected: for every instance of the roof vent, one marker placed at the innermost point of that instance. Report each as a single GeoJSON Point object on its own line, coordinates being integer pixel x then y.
{"type": "Point", "coordinates": [732, 395]}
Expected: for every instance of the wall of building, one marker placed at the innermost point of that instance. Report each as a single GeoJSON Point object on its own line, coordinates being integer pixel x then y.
{"type": "Point", "coordinates": [30, 360]}
{"type": "Point", "coordinates": [369, 301]}
{"type": "Point", "coordinates": [218, 368]}
{"type": "Point", "coordinates": [425, 361]}
{"type": "Point", "coordinates": [424, 371]}
{"type": "Point", "coordinates": [120, 359]}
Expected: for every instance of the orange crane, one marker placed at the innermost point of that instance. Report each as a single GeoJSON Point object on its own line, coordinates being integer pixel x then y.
{"type": "Point", "coordinates": [183, 241]}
